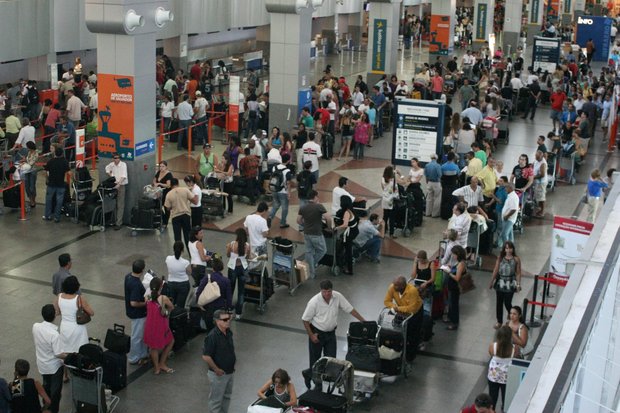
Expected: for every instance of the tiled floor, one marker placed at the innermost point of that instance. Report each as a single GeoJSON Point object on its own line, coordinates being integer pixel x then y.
{"type": "Point", "coordinates": [454, 360]}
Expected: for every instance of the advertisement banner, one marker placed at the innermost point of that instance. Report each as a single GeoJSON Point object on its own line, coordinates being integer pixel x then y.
{"type": "Point", "coordinates": [481, 21]}
{"type": "Point", "coordinates": [553, 10]}
{"type": "Point", "coordinates": [378, 45]}
{"type": "Point", "coordinates": [304, 99]}
{"type": "Point", "coordinates": [233, 103]}
{"type": "Point", "coordinates": [599, 30]}
{"type": "Point", "coordinates": [569, 238]}
{"type": "Point", "coordinates": [534, 8]}
{"type": "Point", "coordinates": [418, 131]}
{"type": "Point", "coordinates": [79, 148]}
{"type": "Point", "coordinates": [440, 35]}
{"type": "Point", "coordinates": [116, 116]}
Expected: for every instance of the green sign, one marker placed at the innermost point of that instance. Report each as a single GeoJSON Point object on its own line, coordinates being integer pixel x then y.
{"type": "Point", "coordinates": [534, 11]}
{"type": "Point", "coordinates": [567, 4]}
{"type": "Point", "coordinates": [481, 21]}
{"type": "Point", "coordinates": [378, 45]}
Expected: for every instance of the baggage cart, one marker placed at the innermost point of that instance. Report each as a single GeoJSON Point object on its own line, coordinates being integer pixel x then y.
{"type": "Point", "coordinates": [81, 190]}
{"type": "Point", "coordinates": [363, 353]}
{"type": "Point", "coordinates": [156, 223]}
{"type": "Point", "coordinates": [258, 286]}
{"type": "Point", "coordinates": [88, 392]}
{"type": "Point", "coordinates": [393, 337]}
{"type": "Point", "coordinates": [283, 264]}
{"type": "Point", "coordinates": [334, 257]}
{"type": "Point", "coordinates": [107, 205]}
{"type": "Point", "coordinates": [566, 168]}
{"type": "Point", "coordinates": [333, 392]}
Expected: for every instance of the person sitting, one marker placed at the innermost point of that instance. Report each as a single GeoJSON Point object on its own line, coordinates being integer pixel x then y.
{"type": "Point", "coordinates": [370, 237]}
{"type": "Point", "coordinates": [281, 387]}
{"type": "Point", "coordinates": [404, 299]}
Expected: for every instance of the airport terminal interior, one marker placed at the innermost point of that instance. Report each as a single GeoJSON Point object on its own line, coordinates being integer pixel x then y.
{"type": "Point", "coordinates": [451, 369]}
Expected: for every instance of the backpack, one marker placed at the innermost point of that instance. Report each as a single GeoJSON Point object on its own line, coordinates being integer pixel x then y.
{"type": "Point", "coordinates": [33, 96]}
{"type": "Point", "coordinates": [276, 183]}
{"type": "Point", "coordinates": [304, 184]}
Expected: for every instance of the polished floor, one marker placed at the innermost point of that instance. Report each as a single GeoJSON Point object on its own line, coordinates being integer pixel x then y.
{"type": "Point", "coordinates": [445, 376]}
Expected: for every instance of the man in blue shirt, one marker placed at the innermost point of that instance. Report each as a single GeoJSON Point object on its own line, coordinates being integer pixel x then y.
{"type": "Point", "coordinates": [379, 100]}
{"type": "Point", "coordinates": [473, 113]}
{"type": "Point", "coordinates": [66, 135]}
{"type": "Point", "coordinates": [135, 309]}
{"type": "Point", "coordinates": [450, 168]}
{"type": "Point", "coordinates": [370, 237]}
{"type": "Point", "coordinates": [432, 173]}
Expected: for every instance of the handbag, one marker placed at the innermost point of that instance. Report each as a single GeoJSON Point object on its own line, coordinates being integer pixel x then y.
{"type": "Point", "coordinates": [81, 316]}
{"type": "Point", "coordinates": [466, 283]}
{"type": "Point", "coordinates": [116, 340]}
{"type": "Point", "coordinates": [210, 293]}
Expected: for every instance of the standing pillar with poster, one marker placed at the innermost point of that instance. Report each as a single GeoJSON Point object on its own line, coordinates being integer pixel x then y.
{"type": "Point", "coordinates": [115, 109]}
{"type": "Point", "coordinates": [418, 131]}
{"type": "Point", "coordinates": [233, 105]}
{"type": "Point", "coordinates": [569, 238]}
{"type": "Point", "coordinates": [80, 157]}
{"type": "Point", "coordinates": [440, 36]}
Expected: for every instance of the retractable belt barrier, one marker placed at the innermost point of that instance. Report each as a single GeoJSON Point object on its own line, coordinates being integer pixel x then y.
{"type": "Point", "coordinates": [22, 196]}
{"type": "Point", "coordinates": [543, 304]}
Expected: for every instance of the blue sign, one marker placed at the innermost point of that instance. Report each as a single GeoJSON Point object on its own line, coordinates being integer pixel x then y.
{"type": "Point", "coordinates": [599, 30]}
{"type": "Point", "coordinates": [379, 41]}
{"type": "Point", "coordinates": [145, 147]}
{"type": "Point", "coordinates": [304, 99]}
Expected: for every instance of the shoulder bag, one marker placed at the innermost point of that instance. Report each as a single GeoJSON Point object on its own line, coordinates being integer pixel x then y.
{"type": "Point", "coordinates": [81, 316]}
{"type": "Point", "coordinates": [466, 283]}
{"type": "Point", "coordinates": [210, 293]}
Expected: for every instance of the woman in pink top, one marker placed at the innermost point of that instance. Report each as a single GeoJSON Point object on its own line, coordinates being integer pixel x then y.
{"type": "Point", "coordinates": [52, 117]}
{"type": "Point", "coordinates": [361, 136]}
{"type": "Point", "coordinates": [437, 85]}
{"type": "Point", "coordinates": [157, 334]}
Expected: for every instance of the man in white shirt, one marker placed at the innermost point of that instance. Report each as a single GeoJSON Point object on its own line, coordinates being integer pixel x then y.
{"type": "Point", "coordinates": [49, 355]}
{"type": "Point", "coordinates": [331, 108]}
{"type": "Point", "coordinates": [472, 193]}
{"type": "Point", "coordinates": [312, 153]}
{"type": "Point", "coordinates": [357, 97]}
{"type": "Point", "coordinates": [256, 225]}
{"type": "Point", "coordinates": [339, 191]}
{"type": "Point", "coordinates": [509, 215]}
{"type": "Point", "coordinates": [516, 83]}
{"type": "Point", "coordinates": [118, 170]}
{"type": "Point", "coordinates": [325, 92]}
{"type": "Point", "coordinates": [280, 192]}
{"type": "Point", "coordinates": [320, 321]}
{"type": "Point", "coordinates": [468, 64]}
{"type": "Point", "coordinates": [185, 113]}
{"type": "Point", "coordinates": [460, 222]}
{"type": "Point", "coordinates": [75, 106]}
{"type": "Point", "coordinates": [167, 110]}
{"type": "Point", "coordinates": [200, 114]}
{"type": "Point", "coordinates": [26, 134]}
{"type": "Point", "coordinates": [93, 98]}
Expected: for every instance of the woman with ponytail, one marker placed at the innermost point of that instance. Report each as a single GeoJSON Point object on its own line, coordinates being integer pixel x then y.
{"type": "Point", "coordinates": [157, 334]}
{"type": "Point", "coordinates": [179, 270]}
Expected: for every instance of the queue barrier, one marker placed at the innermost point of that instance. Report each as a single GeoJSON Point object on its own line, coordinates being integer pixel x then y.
{"type": "Point", "coordinates": [22, 196]}
{"type": "Point", "coordinates": [548, 281]}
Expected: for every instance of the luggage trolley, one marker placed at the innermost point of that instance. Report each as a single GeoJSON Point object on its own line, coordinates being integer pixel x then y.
{"type": "Point", "coordinates": [392, 342]}
{"type": "Point", "coordinates": [567, 168]}
{"type": "Point", "coordinates": [138, 220]}
{"type": "Point", "coordinates": [363, 353]}
{"type": "Point", "coordinates": [81, 189]}
{"type": "Point", "coordinates": [283, 263]}
{"type": "Point", "coordinates": [213, 197]}
{"type": "Point", "coordinates": [87, 388]}
{"type": "Point", "coordinates": [552, 167]}
{"type": "Point", "coordinates": [333, 392]}
{"type": "Point", "coordinates": [334, 257]}
{"type": "Point", "coordinates": [107, 199]}
{"type": "Point", "coordinates": [258, 286]}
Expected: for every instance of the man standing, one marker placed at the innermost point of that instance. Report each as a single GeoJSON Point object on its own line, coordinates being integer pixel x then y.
{"type": "Point", "coordinates": [533, 99]}
{"type": "Point", "coordinates": [488, 180]}
{"type": "Point", "coordinates": [26, 134]}
{"type": "Point", "coordinates": [557, 99]}
{"type": "Point", "coordinates": [404, 299]}
{"type": "Point", "coordinates": [65, 263]}
{"type": "Point", "coordinates": [471, 194]}
{"type": "Point", "coordinates": [370, 237]}
{"type": "Point", "coordinates": [432, 173]}
{"type": "Point", "coordinates": [509, 214]}
{"type": "Point", "coordinates": [248, 167]}
{"type": "Point", "coordinates": [178, 203]}
{"type": "Point", "coordinates": [279, 186]}
{"type": "Point", "coordinates": [185, 112]}
{"type": "Point", "coordinates": [118, 170]}
{"type": "Point", "coordinates": [256, 226]}
{"type": "Point", "coordinates": [206, 161]}
{"type": "Point", "coordinates": [135, 309]}
{"type": "Point", "coordinates": [219, 353]}
{"type": "Point", "coordinates": [321, 319]}
{"type": "Point", "coordinates": [339, 191]}
{"type": "Point", "coordinates": [379, 100]}
{"type": "Point", "coordinates": [311, 216]}
{"type": "Point", "coordinates": [75, 106]}
{"type": "Point", "coordinates": [474, 165]}
{"type": "Point", "coordinates": [312, 153]}
{"type": "Point", "coordinates": [56, 169]}
{"type": "Point", "coordinates": [200, 113]}
{"type": "Point", "coordinates": [49, 355]}
{"type": "Point", "coordinates": [66, 137]}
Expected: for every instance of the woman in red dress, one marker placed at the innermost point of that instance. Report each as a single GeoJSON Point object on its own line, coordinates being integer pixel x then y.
{"type": "Point", "coordinates": [157, 334]}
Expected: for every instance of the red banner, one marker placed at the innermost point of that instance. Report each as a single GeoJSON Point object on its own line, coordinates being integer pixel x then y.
{"type": "Point", "coordinates": [439, 43]}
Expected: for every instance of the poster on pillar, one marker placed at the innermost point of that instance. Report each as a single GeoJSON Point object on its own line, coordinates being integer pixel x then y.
{"type": "Point", "coordinates": [481, 22]}
{"type": "Point", "coordinates": [116, 116]}
{"type": "Point", "coordinates": [440, 35]}
{"type": "Point", "coordinates": [233, 103]}
{"type": "Point", "coordinates": [79, 148]}
{"type": "Point", "coordinates": [553, 10]}
{"type": "Point", "coordinates": [534, 8]}
{"type": "Point", "coordinates": [379, 45]}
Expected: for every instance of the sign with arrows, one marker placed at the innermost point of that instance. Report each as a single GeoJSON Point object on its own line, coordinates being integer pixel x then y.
{"type": "Point", "coordinates": [144, 147]}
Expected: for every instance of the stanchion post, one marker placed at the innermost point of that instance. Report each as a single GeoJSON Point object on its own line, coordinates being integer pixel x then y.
{"type": "Point", "coordinates": [544, 299]}
{"type": "Point", "coordinates": [525, 304]}
{"type": "Point", "coordinates": [161, 125]}
{"type": "Point", "coordinates": [534, 292]}
{"type": "Point", "coordinates": [93, 155]}
{"type": "Point", "coordinates": [160, 148]}
{"type": "Point", "coordinates": [226, 127]}
{"type": "Point", "coordinates": [22, 200]}
{"type": "Point", "coordinates": [189, 141]}
{"type": "Point", "coordinates": [210, 129]}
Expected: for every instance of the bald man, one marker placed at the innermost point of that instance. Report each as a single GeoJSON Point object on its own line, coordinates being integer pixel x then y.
{"type": "Point", "coordinates": [404, 299]}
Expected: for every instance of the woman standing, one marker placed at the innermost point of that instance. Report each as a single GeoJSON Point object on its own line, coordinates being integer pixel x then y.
{"type": "Point", "coordinates": [349, 226]}
{"type": "Point", "coordinates": [361, 136]}
{"type": "Point", "coordinates": [275, 140]}
{"type": "Point", "coordinates": [502, 351]}
{"type": "Point", "coordinates": [198, 255]}
{"type": "Point", "coordinates": [520, 331]}
{"type": "Point", "coordinates": [424, 270]}
{"type": "Point", "coordinates": [157, 334]}
{"type": "Point", "coordinates": [72, 334]}
{"type": "Point", "coordinates": [465, 138]}
{"type": "Point", "coordinates": [196, 208]}
{"type": "Point", "coordinates": [179, 270]}
{"type": "Point", "coordinates": [390, 192]}
{"type": "Point", "coordinates": [28, 169]}
{"type": "Point", "coordinates": [162, 180]}
{"type": "Point", "coordinates": [451, 139]}
{"type": "Point", "coordinates": [26, 393]}
{"type": "Point", "coordinates": [506, 280]}
{"type": "Point", "coordinates": [415, 173]}
{"type": "Point", "coordinates": [224, 302]}
{"type": "Point", "coordinates": [238, 252]}
{"type": "Point", "coordinates": [456, 272]}
{"type": "Point", "coordinates": [346, 126]}
{"type": "Point", "coordinates": [225, 173]}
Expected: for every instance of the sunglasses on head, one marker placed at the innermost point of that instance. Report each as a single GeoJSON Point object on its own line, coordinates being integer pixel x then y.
{"type": "Point", "coordinates": [225, 319]}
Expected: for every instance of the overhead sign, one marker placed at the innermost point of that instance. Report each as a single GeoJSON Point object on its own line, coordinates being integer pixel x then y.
{"type": "Point", "coordinates": [481, 21]}
{"type": "Point", "coordinates": [599, 30]}
{"type": "Point", "coordinates": [145, 147]}
{"type": "Point", "coordinates": [116, 115]}
{"type": "Point", "coordinates": [418, 131]}
{"type": "Point", "coordinates": [546, 53]}
{"type": "Point", "coordinates": [534, 10]}
{"type": "Point", "coordinates": [440, 35]}
{"type": "Point", "coordinates": [569, 238]}
{"type": "Point", "coordinates": [379, 42]}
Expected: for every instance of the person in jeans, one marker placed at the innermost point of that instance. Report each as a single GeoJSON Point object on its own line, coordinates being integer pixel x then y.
{"type": "Point", "coordinates": [311, 216]}
{"type": "Point", "coordinates": [238, 252]}
{"type": "Point", "coordinates": [281, 198]}
{"type": "Point", "coordinates": [56, 169]}
{"type": "Point", "coordinates": [370, 237]}
{"type": "Point", "coordinates": [118, 170]}
{"type": "Point", "coordinates": [49, 355]}
{"type": "Point", "coordinates": [178, 203]}
{"type": "Point", "coordinates": [185, 113]}
{"type": "Point", "coordinates": [135, 309]}
{"type": "Point", "coordinates": [509, 214]}
{"type": "Point", "coordinates": [179, 270]}
{"type": "Point", "coordinates": [218, 352]}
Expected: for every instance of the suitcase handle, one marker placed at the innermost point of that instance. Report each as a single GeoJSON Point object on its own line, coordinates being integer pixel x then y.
{"type": "Point", "coordinates": [94, 340]}
{"type": "Point", "coordinates": [119, 328]}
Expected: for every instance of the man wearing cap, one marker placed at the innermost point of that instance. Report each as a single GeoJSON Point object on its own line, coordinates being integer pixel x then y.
{"type": "Point", "coordinates": [118, 170]}
{"type": "Point", "coordinates": [218, 352]}
{"type": "Point", "coordinates": [200, 114]}
{"type": "Point", "coordinates": [206, 161]}
{"type": "Point", "coordinates": [432, 173]}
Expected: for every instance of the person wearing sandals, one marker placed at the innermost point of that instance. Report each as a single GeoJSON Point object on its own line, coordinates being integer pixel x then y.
{"type": "Point", "coordinates": [238, 252]}
{"type": "Point", "coordinates": [157, 334]}
{"type": "Point", "coordinates": [506, 280]}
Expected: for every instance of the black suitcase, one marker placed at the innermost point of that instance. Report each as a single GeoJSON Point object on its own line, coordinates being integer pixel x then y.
{"type": "Point", "coordinates": [427, 327]}
{"type": "Point", "coordinates": [147, 218]}
{"type": "Point", "coordinates": [364, 357]}
{"type": "Point", "coordinates": [362, 332]}
{"type": "Point", "coordinates": [11, 198]}
{"type": "Point", "coordinates": [212, 205]}
{"type": "Point", "coordinates": [116, 340]}
{"type": "Point", "coordinates": [114, 370]}
{"type": "Point", "coordinates": [145, 203]}
{"type": "Point", "coordinates": [93, 351]}
{"type": "Point", "coordinates": [323, 402]}
{"type": "Point", "coordinates": [179, 327]}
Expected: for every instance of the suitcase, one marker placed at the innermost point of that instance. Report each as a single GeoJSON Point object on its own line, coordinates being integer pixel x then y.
{"type": "Point", "coordinates": [114, 370]}
{"type": "Point", "coordinates": [438, 305]}
{"type": "Point", "coordinates": [212, 205]}
{"type": "Point", "coordinates": [362, 332]}
{"type": "Point", "coordinates": [116, 340]}
{"type": "Point", "coordinates": [427, 327]}
{"type": "Point", "coordinates": [148, 218]}
{"type": "Point", "coordinates": [364, 357]}
{"type": "Point", "coordinates": [11, 198]}
{"type": "Point", "coordinates": [179, 326]}
{"type": "Point", "coordinates": [146, 203]}
{"type": "Point", "coordinates": [323, 402]}
{"type": "Point", "coordinates": [93, 351]}
{"type": "Point", "coordinates": [391, 367]}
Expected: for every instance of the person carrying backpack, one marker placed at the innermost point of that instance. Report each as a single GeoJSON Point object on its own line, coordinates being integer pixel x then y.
{"type": "Point", "coordinates": [279, 185]}
{"type": "Point", "coordinates": [305, 183]}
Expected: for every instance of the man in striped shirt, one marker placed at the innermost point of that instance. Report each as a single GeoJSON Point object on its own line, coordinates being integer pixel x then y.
{"type": "Point", "coordinates": [471, 194]}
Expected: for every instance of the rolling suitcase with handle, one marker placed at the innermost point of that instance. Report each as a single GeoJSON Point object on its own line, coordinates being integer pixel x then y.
{"type": "Point", "coordinates": [114, 370]}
